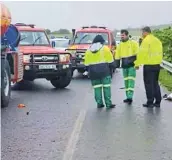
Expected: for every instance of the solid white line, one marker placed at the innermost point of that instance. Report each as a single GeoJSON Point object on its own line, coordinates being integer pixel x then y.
{"type": "Point", "coordinates": [74, 136]}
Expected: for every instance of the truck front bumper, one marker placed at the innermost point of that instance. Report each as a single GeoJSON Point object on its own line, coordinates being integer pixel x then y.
{"type": "Point", "coordinates": [33, 71]}
{"type": "Point", "coordinates": [78, 63]}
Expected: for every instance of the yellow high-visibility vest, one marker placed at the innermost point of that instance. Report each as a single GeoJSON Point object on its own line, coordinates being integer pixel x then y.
{"type": "Point", "coordinates": [126, 49]}
{"type": "Point", "coordinates": [104, 55]}
{"type": "Point", "coordinates": [150, 52]}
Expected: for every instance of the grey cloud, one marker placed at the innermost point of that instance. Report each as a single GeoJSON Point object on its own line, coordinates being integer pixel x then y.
{"type": "Point", "coordinates": [55, 15]}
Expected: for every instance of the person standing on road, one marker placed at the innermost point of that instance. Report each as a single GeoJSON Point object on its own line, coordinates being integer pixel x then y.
{"type": "Point", "coordinates": [126, 52]}
{"type": "Point", "coordinates": [150, 55]}
{"type": "Point", "coordinates": [98, 60]}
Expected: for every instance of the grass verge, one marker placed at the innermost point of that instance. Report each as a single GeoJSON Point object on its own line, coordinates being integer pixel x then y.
{"type": "Point", "coordinates": [165, 79]}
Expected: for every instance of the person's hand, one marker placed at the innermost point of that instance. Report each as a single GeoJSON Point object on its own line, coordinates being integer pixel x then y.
{"type": "Point", "coordinates": [85, 73]}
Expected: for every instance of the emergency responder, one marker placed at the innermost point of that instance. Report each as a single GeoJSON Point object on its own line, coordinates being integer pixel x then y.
{"type": "Point", "coordinates": [126, 52]}
{"type": "Point", "coordinates": [99, 60]}
{"type": "Point", "coordinates": [150, 55]}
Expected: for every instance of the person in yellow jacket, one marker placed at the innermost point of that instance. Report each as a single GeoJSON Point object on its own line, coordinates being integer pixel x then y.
{"type": "Point", "coordinates": [150, 55]}
{"type": "Point", "coordinates": [98, 61]}
{"type": "Point", "coordinates": [126, 52]}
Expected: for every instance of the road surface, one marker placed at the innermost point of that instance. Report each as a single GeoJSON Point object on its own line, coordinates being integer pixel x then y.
{"type": "Point", "coordinates": [66, 125]}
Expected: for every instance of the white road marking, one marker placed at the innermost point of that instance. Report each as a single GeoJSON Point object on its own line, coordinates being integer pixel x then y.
{"type": "Point", "coordinates": [68, 155]}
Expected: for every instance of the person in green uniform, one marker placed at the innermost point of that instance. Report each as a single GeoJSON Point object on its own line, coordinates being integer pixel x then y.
{"type": "Point", "coordinates": [126, 52]}
{"type": "Point", "coordinates": [98, 61]}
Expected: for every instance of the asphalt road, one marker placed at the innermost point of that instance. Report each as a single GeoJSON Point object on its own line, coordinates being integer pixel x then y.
{"type": "Point", "coordinates": [66, 125]}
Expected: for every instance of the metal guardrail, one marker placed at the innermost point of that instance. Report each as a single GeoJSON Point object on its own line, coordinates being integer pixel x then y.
{"type": "Point", "coordinates": [166, 65]}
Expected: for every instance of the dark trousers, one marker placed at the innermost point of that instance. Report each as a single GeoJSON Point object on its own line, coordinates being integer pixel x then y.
{"type": "Point", "coordinates": [151, 76]}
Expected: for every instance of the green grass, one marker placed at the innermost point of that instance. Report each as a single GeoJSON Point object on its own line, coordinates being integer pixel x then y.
{"type": "Point", "coordinates": [166, 79]}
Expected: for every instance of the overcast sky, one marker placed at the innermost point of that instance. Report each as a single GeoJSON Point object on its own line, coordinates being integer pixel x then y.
{"type": "Point", "coordinates": [56, 15]}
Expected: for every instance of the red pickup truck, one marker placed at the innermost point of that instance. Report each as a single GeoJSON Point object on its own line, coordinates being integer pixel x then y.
{"type": "Point", "coordinates": [82, 39]}
{"type": "Point", "coordinates": [40, 60]}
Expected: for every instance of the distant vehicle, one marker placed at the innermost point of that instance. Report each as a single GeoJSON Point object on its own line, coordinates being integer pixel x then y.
{"type": "Point", "coordinates": [118, 38]}
{"type": "Point", "coordinates": [60, 43]}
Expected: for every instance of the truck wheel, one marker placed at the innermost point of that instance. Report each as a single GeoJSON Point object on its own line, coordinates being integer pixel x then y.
{"type": "Point", "coordinates": [6, 85]}
{"type": "Point", "coordinates": [62, 81]}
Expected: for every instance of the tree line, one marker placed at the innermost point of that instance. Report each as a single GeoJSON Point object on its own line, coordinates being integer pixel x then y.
{"type": "Point", "coordinates": [165, 35]}
{"type": "Point", "coordinates": [60, 31]}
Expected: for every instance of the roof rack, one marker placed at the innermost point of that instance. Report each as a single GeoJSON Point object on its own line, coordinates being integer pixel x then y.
{"type": "Point", "coordinates": [85, 27]}
{"type": "Point", "coordinates": [31, 25]}
{"type": "Point", "coordinates": [103, 27]}
{"type": "Point", "coordinates": [20, 24]}
{"type": "Point", "coordinates": [93, 27]}
{"type": "Point", "coordinates": [23, 24]}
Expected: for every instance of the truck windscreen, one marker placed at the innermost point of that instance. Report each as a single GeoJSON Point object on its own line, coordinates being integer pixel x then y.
{"type": "Point", "coordinates": [87, 37]}
{"type": "Point", "coordinates": [33, 38]}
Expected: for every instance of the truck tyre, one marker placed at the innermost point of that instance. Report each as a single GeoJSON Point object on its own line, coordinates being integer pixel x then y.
{"type": "Point", "coordinates": [6, 85]}
{"type": "Point", "coordinates": [62, 81]}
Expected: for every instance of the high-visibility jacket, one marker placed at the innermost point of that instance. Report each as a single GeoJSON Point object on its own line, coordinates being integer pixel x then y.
{"type": "Point", "coordinates": [150, 52]}
{"type": "Point", "coordinates": [126, 51]}
{"type": "Point", "coordinates": [98, 58]}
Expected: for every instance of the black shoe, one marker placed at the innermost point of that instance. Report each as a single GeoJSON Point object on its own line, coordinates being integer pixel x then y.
{"type": "Point", "coordinates": [157, 105]}
{"type": "Point", "coordinates": [100, 106]}
{"type": "Point", "coordinates": [126, 100]}
{"type": "Point", "coordinates": [111, 106]}
{"type": "Point", "coordinates": [130, 101]}
{"type": "Point", "coordinates": [148, 105]}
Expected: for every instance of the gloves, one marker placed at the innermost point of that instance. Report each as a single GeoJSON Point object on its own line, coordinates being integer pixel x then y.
{"type": "Point", "coordinates": [85, 73]}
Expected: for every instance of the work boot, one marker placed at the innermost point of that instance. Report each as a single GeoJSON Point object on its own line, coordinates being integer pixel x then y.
{"type": "Point", "coordinates": [111, 106]}
{"type": "Point", "coordinates": [126, 100]}
{"type": "Point", "coordinates": [130, 101]}
{"type": "Point", "coordinates": [157, 105]}
{"type": "Point", "coordinates": [100, 106]}
{"type": "Point", "coordinates": [148, 105]}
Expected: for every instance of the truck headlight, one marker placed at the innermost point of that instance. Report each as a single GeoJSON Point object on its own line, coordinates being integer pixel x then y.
{"type": "Point", "coordinates": [64, 58]}
{"type": "Point", "coordinates": [72, 52]}
{"type": "Point", "coordinates": [26, 58]}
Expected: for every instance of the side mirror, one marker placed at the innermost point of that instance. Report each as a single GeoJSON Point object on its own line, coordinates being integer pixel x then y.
{"type": "Point", "coordinates": [69, 42]}
{"type": "Point", "coordinates": [73, 32]}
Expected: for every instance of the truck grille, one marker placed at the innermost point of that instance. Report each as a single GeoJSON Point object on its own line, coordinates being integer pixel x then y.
{"type": "Point", "coordinates": [50, 58]}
